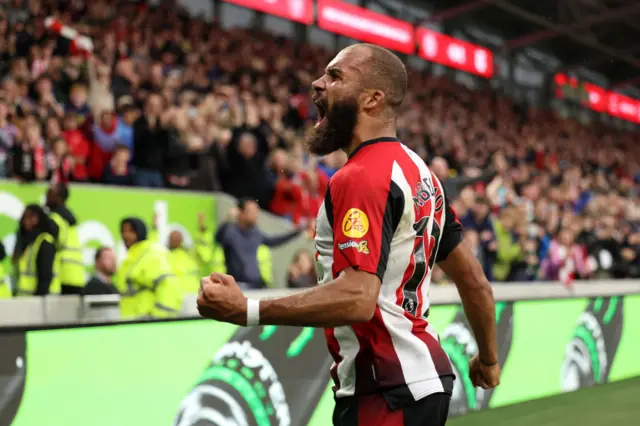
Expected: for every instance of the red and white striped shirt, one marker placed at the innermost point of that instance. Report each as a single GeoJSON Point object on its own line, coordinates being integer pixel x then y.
{"type": "Point", "coordinates": [386, 213]}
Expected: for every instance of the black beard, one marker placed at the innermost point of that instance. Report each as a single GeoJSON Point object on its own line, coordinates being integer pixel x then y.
{"type": "Point", "coordinates": [337, 130]}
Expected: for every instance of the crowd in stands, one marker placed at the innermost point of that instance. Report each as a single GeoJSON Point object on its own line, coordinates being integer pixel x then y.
{"type": "Point", "coordinates": [166, 100]}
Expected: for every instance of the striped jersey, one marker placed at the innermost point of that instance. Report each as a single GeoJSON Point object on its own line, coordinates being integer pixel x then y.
{"type": "Point", "coordinates": [386, 213]}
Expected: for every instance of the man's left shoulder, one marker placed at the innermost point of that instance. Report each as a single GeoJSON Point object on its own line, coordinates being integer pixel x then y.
{"type": "Point", "coordinates": [368, 172]}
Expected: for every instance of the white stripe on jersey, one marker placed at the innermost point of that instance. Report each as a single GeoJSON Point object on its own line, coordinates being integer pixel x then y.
{"type": "Point", "coordinates": [425, 173]}
{"type": "Point", "coordinates": [349, 347]}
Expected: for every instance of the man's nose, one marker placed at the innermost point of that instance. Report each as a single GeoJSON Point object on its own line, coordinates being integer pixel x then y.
{"type": "Point", "coordinates": [318, 85]}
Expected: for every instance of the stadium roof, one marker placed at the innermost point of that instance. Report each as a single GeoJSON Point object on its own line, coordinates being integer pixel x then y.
{"type": "Point", "coordinates": [601, 35]}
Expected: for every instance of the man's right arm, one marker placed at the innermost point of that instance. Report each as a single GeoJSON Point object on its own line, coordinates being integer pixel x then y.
{"type": "Point", "coordinates": [465, 271]}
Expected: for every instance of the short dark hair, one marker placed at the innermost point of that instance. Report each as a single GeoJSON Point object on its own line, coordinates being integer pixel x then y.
{"type": "Point", "coordinates": [386, 72]}
{"type": "Point", "coordinates": [99, 252]}
{"type": "Point", "coordinates": [242, 202]}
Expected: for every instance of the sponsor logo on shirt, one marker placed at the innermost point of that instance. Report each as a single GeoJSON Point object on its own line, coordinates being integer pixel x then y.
{"type": "Point", "coordinates": [355, 223]}
{"type": "Point", "coordinates": [361, 246]}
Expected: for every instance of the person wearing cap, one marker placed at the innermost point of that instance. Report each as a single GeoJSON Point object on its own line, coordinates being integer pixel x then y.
{"type": "Point", "coordinates": [146, 282]}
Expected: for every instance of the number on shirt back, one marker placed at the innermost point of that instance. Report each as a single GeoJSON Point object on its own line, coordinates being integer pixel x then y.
{"type": "Point", "coordinates": [421, 269]}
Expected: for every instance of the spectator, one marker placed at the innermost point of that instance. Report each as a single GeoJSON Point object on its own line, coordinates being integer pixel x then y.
{"type": "Point", "coordinates": [566, 260]}
{"type": "Point", "coordinates": [478, 219]}
{"type": "Point", "coordinates": [150, 145]}
{"type": "Point", "coordinates": [48, 106]}
{"type": "Point", "coordinates": [117, 171]}
{"type": "Point", "coordinates": [59, 162]}
{"type": "Point", "coordinates": [509, 250]}
{"type": "Point", "coordinates": [78, 146]}
{"type": "Point", "coordinates": [314, 185]}
{"type": "Point", "coordinates": [246, 154]}
{"type": "Point", "coordinates": [302, 272]}
{"type": "Point", "coordinates": [454, 185]}
{"type": "Point", "coordinates": [28, 157]}
{"type": "Point", "coordinates": [287, 198]}
{"type": "Point", "coordinates": [102, 280]}
{"type": "Point", "coordinates": [128, 114]}
{"type": "Point", "coordinates": [179, 156]}
{"type": "Point", "coordinates": [78, 103]}
{"type": "Point", "coordinates": [240, 238]}
{"type": "Point", "coordinates": [52, 131]}
{"type": "Point", "coordinates": [8, 133]}
{"type": "Point", "coordinates": [100, 97]}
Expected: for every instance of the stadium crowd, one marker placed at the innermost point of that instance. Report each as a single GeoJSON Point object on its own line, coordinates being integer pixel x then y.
{"type": "Point", "coordinates": [166, 100]}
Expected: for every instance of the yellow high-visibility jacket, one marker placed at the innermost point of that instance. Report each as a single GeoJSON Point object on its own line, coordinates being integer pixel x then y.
{"type": "Point", "coordinates": [69, 253]}
{"type": "Point", "coordinates": [28, 268]}
{"type": "Point", "coordinates": [5, 291]}
{"type": "Point", "coordinates": [147, 284]}
{"type": "Point", "coordinates": [185, 266]}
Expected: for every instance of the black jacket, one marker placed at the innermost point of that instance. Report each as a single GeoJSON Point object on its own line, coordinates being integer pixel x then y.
{"type": "Point", "coordinates": [66, 214]}
{"type": "Point", "coordinates": [46, 253]}
{"type": "Point", "coordinates": [149, 145]}
{"type": "Point", "coordinates": [96, 286]}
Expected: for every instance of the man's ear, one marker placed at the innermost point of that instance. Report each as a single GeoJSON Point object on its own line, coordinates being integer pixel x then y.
{"type": "Point", "coordinates": [374, 99]}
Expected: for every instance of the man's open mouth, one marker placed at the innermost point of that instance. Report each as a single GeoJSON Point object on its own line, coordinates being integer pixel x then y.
{"type": "Point", "coordinates": [322, 112]}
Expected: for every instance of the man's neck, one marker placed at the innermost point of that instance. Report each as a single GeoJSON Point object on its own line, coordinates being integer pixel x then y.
{"type": "Point", "coordinates": [366, 131]}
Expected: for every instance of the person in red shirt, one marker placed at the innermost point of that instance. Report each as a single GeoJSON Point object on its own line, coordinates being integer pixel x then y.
{"type": "Point", "coordinates": [78, 147]}
{"type": "Point", "coordinates": [287, 196]}
{"type": "Point", "coordinates": [314, 187]}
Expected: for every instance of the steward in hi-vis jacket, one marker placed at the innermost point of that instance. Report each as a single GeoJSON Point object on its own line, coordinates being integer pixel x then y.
{"type": "Point", "coordinates": [146, 281]}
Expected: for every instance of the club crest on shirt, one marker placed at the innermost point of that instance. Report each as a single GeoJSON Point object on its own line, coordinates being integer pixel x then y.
{"type": "Point", "coordinates": [362, 246]}
{"type": "Point", "coordinates": [355, 223]}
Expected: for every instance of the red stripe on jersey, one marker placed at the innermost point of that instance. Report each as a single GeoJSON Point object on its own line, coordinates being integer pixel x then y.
{"type": "Point", "coordinates": [439, 210]}
{"type": "Point", "coordinates": [385, 370]}
{"type": "Point", "coordinates": [334, 350]}
{"type": "Point", "coordinates": [438, 355]}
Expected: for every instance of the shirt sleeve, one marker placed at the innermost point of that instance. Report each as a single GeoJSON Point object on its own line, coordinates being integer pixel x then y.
{"type": "Point", "coordinates": [451, 234]}
{"type": "Point", "coordinates": [366, 210]}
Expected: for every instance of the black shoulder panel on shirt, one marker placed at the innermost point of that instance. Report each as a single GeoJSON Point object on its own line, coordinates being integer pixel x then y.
{"type": "Point", "coordinates": [328, 205]}
{"type": "Point", "coordinates": [392, 216]}
{"type": "Point", "coordinates": [451, 234]}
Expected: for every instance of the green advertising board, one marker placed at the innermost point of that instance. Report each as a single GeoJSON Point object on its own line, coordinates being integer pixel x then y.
{"type": "Point", "coordinates": [99, 210]}
{"type": "Point", "coordinates": [203, 373]}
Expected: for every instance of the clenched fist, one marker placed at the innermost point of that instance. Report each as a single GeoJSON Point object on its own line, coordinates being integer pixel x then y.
{"type": "Point", "coordinates": [482, 375]}
{"type": "Point", "coordinates": [220, 299]}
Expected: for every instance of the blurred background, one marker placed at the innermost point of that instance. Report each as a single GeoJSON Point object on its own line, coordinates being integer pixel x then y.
{"type": "Point", "coordinates": [525, 111]}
